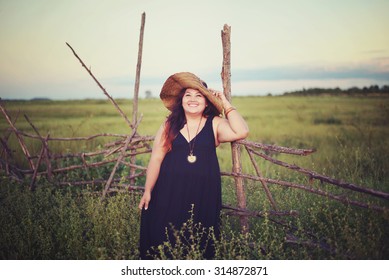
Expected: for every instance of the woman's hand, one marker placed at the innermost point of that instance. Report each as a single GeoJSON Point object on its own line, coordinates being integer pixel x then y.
{"type": "Point", "coordinates": [144, 202]}
{"type": "Point", "coordinates": [221, 96]}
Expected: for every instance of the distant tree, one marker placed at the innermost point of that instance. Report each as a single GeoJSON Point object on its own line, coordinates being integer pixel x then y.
{"type": "Point", "coordinates": [148, 94]}
{"type": "Point", "coordinates": [337, 90]}
{"type": "Point", "coordinates": [40, 99]}
{"type": "Point", "coordinates": [373, 89]}
{"type": "Point", "coordinates": [385, 89]}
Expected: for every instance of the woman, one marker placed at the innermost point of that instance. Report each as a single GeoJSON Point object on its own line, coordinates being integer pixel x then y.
{"type": "Point", "coordinates": [183, 176]}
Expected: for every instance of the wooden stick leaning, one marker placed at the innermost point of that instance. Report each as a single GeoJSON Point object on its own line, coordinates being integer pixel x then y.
{"type": "Point", "coordinates": [136, 87]}
{"type": "Point", "coordinates": [20, 139]}
{"type": "Point", "coordinates": [101, 87]}
{"type": "Point", "coordinates": [7, 156]}
{"type": "Point", "coordinates": [120, 157]}
{"type": "Point", "coordinates": [9, 132]}
{"type": "Point", "coordinates": [264, 185]}
{"type": "Point", "coordinates": [138, 69]}
{"type": "Point", "coordinates": [46, 152]}
{"type": "Point", "coordinates": [43, 152]}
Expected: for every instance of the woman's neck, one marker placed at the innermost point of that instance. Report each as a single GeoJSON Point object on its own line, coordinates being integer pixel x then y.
{"type": "Point", "coordinates": [191, 118]}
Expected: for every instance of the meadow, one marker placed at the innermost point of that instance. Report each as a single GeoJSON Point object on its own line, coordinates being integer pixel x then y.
{"type": "Point", "coordinates": [351, 138]}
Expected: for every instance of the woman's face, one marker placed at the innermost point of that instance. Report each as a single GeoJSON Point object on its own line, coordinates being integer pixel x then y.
{"type": "Point", "coordinates": [193, 101]}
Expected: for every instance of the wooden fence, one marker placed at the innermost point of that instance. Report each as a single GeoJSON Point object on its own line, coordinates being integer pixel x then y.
{"type": "Point", "coordinates": [123, 147]}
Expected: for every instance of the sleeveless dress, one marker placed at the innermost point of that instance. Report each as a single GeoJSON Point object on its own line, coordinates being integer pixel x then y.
{"type": "Point", "coordinates": [184, 190]}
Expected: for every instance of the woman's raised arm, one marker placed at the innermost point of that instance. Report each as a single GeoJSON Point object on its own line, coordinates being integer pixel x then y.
{"type": "Point", "coordinates": [233, 127]}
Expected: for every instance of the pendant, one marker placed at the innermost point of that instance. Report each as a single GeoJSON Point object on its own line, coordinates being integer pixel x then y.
{"type": "Point", "coordinates": [191, 158]}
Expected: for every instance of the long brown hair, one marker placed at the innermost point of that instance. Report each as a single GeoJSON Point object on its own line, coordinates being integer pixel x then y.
{"type": "Point", "coordinates": [176, 120]}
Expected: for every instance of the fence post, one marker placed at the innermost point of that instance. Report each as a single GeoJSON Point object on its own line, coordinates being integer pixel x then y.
{"type": "Point", "coordinates": [136, 91]}
{"type": "Point", "coordinates": [235, 148]}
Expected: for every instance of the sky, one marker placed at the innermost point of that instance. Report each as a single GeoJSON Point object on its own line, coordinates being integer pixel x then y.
{"type": "Point", "coordinates": [276, 46]}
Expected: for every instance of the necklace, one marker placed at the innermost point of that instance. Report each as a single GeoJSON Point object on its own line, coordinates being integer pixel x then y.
{"type": "Point", "coordinates": [191, 157]}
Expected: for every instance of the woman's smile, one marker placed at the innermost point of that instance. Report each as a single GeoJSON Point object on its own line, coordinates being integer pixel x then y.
{"type": "Point", "coordinates": [193, 99]}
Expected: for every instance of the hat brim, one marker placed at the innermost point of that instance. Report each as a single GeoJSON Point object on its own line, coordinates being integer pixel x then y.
{"type": "Point", "coordinates": [173, 86]}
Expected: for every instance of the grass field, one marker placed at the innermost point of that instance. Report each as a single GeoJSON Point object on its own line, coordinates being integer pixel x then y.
{"type": "Point", "coordinates": [350, 134]}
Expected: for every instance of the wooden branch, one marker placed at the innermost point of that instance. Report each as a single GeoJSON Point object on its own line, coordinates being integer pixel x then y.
{"type": "Point", "coordinates": [101, 87]}
{"type": "Point", "coordinates": [112, 151]}
{"type": "Point", "coordinates": [105, 152]}
{"type": "Point", "coordinates": [239, 184]}
{"type": "Point", "coordinates": [235, 148]}
{"type": "Point", "coordinates": [274, 148]}
{"type": "Point", "coordinates": [85, 138]}
{"type": "Point", "coordinates": [124, 188]}
{"type": "Point", "coordinates": [132, 149]}
{"type": "Point", "coordinates": [138, 69]}
{"type": "Point", "coordinates": [32, 183]}
{"type": "Point", "coordinates": [226, 68]}
{"type": "Point", "coordinates": [315, 175]}
{"type": "Point", "coordinates": [128, 187]}
{"type": "Point", "coordinates": [245, 212]}
{"type": "Point", "coordinates": [44, 154]}
{"type": "Point", "coordinates": [305, 188]}
{"type": "Point", "coordinates": [7, 154]}
{"type": "Point", "coordinates": [134, 165]}
{"type": "Point", "coordinates": [264, 185]}
{"type": "Point", "coordinates": [108, 184]}
{"type": "Point", "coordinates": [45, 149]}
{"type": "Point", "coordinates": [74, 167]}
{"type": "Point", "coordinates": [98, 181]}
{"type": "Point", "coordinates": [20, 139]}
{"type": "Point", "coordinates": [7, 135]}
{"type": "Point", "coordinates": [85, 165]}
{"type": "Point", "coordinates": [11, 168]}
{"type": "Point", "coordinates": [13, 172]}
{"type": "Point", "coordinates": [48, 159]}
{"type": "Point", "coordinates": [136, 86]}
{"type": "Point", "coordinates": [137, 139]}
{"type": "Point", "coordinates": [120, 157]}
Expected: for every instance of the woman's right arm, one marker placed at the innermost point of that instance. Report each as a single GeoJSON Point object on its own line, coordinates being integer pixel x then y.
{"type": "Point", "coordinates": [157, 155]}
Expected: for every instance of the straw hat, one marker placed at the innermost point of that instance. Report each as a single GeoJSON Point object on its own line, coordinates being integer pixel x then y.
{"type": "Point", "coordinates": [183, 80]}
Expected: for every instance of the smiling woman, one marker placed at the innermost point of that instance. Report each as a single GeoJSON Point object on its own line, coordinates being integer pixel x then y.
{"type": "Point", "coordinates": [183, 176]}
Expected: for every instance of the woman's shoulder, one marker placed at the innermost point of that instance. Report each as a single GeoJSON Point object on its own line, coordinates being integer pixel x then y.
{"type": "Point", "coordinates": [217, 120]}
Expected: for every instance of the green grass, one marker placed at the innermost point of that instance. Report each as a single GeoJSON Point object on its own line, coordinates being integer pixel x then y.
{"type": "Point", "coordinates": [350, 134]}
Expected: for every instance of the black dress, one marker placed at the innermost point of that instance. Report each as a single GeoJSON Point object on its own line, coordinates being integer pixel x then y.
{"type": "Point", "coordinates": [184, 190]}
